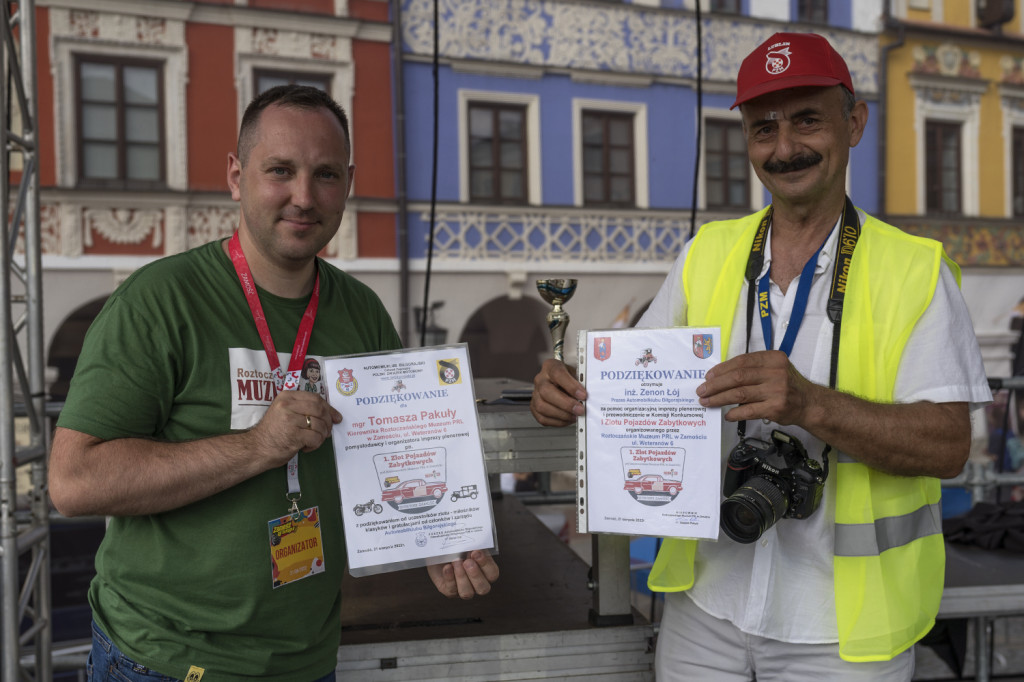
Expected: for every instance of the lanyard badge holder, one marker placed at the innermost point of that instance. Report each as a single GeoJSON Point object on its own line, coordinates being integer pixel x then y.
{"type": "Point", "coordinates": [765, 482]}
{"type": "Point", "coordinates": [295, 540]}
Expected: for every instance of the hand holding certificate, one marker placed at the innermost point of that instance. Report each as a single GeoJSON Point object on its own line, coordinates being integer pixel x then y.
{"type": "Point", "coordinates": [651, 454]}
{"type": "Point", "coordinates": [410, 464]}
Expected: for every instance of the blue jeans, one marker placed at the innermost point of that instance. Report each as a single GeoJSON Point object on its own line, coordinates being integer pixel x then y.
{"type": "Point", "coordinates": [108, 664]}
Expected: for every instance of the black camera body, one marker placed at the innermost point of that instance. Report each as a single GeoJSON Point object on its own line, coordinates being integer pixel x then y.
{"type": "Point", "coordinates": [765, 482]}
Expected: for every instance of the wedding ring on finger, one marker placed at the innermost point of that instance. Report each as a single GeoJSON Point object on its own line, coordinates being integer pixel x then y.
{"type": "Point", "coordinates": [309, 422]}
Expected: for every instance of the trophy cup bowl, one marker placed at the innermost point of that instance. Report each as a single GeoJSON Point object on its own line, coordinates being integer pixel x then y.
{"type": "Point", "coordinates": [557, 292]}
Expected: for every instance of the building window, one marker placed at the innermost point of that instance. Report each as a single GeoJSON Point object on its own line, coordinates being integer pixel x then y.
{"type": "Point", "coordinates": [726, 170]}
{"type": "Point", "coordinates": [120, 122]}
{"type": "Point", "coordinates": [942, 167]}
{"type": "Point", "coordinates": [1017, 155]}
{"type": "Point", "coordinates": [608, 155]}
{"type": "Point", "coordinates": [268, 78]}
{"type": "Point", "coordinates": [812, 11]}
{"type": "Point", "coordinates": [497, 153]}
{"type": "Point", "coordinates": [725, 6]}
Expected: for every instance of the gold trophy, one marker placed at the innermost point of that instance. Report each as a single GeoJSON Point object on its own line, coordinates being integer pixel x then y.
{"type": "Point", "coordinates": [557, 292]}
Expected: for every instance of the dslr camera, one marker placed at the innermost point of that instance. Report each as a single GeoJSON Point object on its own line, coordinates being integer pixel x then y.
{"type": "Point", "coordinates": [765, 482]}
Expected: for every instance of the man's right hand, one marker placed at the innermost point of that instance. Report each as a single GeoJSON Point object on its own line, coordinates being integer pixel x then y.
{"type": "Point", "coordinates": [557, 395]}
{"type": "Point", "coordinates": [283, 430]}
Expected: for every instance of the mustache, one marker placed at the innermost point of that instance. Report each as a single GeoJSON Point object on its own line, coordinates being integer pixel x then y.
{"type": "Point", "coordinates": [794, 164]}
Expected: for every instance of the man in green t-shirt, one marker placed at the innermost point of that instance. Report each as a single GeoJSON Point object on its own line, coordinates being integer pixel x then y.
{"type": "Point", "coordinates": [183, 426]}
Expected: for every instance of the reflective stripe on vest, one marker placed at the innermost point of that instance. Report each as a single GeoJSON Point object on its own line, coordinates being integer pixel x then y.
{"type": "Point", "coordinates": [871, 539]}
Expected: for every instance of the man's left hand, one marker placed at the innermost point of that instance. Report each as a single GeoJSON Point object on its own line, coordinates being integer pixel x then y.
{"type": "Point", "coordinates": [763, 385]}
{"type": "Point", "coordinates": [465, 578]}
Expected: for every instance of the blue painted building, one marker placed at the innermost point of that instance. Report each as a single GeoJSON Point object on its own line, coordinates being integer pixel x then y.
{"type": "Point", "coordinates": [567, 139]}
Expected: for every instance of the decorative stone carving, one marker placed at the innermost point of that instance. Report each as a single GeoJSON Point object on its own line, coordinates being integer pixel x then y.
{"type": "Point", "coordinates": [49, 229]}
{"type": "Point", "coordinates": [71, 231]}
{"type": "Point", "coordinates": [175, 229]}
{"type": "Point", "coordinates": [605, 37]}
{"type": "Point", "coordinates": [946, 60]}
{"type": "Point", "coordinates": [85, 24]}
{"type": "Point", "coordinates": [151, 31]}
{"type": "Point", "coordinates": [124, 225]}
{"type": "Point", "coordinates": [269, 41]}
{"type": "Point", "coordinates": [951, 96]}
{"type": "Point", "coordinates": [208, 223]}
{"type": "Point", "coordinates": [344, 244]}
{"type": "Point", "coordinates": [116, 28]}
{"type": "Point", "coordinates": [1013, 70]}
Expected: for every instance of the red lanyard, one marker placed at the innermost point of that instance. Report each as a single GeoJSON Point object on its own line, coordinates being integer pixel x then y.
{"type": "Point", "coordinates": [291, 381]}
{"type": "Point", "coordinates": [281, 381]}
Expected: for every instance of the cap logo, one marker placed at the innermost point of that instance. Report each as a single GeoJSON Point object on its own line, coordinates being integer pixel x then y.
{"type": "Point", "coordinates": [778, 58]}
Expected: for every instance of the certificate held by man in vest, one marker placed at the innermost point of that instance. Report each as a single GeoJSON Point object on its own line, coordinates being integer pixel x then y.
{"type": "Point", "coordinates": [650, 453]}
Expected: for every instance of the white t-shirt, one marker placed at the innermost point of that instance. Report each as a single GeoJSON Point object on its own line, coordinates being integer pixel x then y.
{"type": "Point", "coordinates": [781, 586]}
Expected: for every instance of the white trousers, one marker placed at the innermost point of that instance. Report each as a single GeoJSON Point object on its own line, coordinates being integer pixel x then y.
{"type": "Point", "coordinates": [693, 645]}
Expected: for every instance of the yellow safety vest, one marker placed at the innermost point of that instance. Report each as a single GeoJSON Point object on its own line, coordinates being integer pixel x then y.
{"type": "Point", "coordinates": [889, 556]}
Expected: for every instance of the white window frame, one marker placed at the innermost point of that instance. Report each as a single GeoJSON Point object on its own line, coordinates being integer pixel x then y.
{"type": "Point", "coordinates": [1011, 99]}
{"type": "Point", "coordinates": [534, 191]}
{"type": "Point", "coordinates": [640, 156]}
{"type": "Point", "coordinates": [173, 57]}
{"type": "Point", "coordinates": [900, 9]}
{"type": "Point", "coordinates": [756, 189]}
{"type": "Point", "coordinates": [341, 76]}
{"type": "Point", "coordinates": [933, 102]}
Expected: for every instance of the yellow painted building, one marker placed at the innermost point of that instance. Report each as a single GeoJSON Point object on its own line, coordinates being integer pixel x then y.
{"type": "Point", "coordinates": [953, 130]}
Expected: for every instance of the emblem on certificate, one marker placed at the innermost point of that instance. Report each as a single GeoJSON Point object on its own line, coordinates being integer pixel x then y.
{"type": "Point", "coordinates": [448, 371]}
{"type": "Point", "coordinates": [703, 345]}
{"type": "Point", "coordinates": [346, 383]}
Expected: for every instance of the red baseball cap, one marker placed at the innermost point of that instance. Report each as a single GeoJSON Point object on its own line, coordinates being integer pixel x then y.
{"type": "Point", "coordinates": [790, 60]}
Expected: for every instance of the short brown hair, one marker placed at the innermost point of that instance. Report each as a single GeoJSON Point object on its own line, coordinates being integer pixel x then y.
{"type": "Point", "coordinates": [298, 96]}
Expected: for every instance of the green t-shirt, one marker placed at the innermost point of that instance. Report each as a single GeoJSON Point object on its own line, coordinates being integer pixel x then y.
{"type": "Point", "coordinates": [175, 355]}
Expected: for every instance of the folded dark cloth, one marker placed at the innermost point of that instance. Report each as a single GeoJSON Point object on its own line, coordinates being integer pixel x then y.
{"type": "Point", "coordinates": [988, 525]}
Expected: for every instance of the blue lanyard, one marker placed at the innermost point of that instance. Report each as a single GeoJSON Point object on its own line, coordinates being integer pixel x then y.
{"type": "Point", "coordinates": [848, 238]}
{"type": "Point", "coordinates": [803, 291]}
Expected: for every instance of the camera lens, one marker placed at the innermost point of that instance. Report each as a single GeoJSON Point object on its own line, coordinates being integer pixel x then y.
{"type": "Point", "coordinates": [753, 509]}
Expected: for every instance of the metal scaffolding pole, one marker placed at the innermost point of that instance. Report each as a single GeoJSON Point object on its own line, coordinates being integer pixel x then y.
{"type": "Point", "coordinates": [25, 609]}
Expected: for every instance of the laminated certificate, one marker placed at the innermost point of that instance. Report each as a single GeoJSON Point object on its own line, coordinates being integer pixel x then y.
{"type": "Point", "coordinates": [410, 461]}
{"type": "Point", "coordinates": [650, 453]}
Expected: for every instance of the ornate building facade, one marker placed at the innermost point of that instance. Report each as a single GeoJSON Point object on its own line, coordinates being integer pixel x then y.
{"type": "Point", "coordinates": [568, 142]}
{"type": "Point", "coordinates": [953, 149]}
{"type": "Point", "coordinates": [139, 105]}
{"type": "Point", "coordinates": [568, 132]}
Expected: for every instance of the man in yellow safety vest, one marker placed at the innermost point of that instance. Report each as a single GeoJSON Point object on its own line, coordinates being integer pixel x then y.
{"type": "Point", "coordinates": [863, 351]}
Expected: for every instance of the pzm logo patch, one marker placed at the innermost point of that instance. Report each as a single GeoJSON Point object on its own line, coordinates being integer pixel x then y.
{"type": "Point", "coordinates": [448, 372]}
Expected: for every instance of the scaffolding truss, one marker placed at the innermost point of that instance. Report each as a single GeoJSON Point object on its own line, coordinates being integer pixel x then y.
{"type": "Point", "coordinates": [26, 640]}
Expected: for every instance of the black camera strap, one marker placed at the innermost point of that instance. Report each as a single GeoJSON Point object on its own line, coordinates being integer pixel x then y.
{"type": "Point", "coordinates": [848, 236]}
